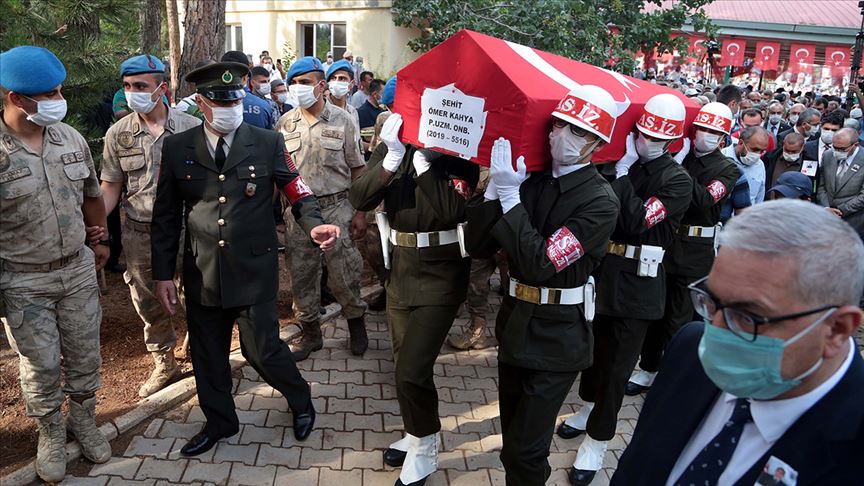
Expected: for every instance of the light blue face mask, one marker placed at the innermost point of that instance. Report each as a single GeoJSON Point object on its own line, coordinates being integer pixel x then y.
{"type": "Point", "coordinates": [750, 369]}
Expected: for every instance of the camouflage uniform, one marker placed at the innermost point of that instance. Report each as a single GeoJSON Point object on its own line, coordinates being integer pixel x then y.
{"type": "Point", "coordinates": [132, 156]}
{"type": "Point", "coordinates": [325, 153]}
{"type": "Point", "coordinates": [371, 244]}
{"type": "Point", "coordinates": [47, 275]}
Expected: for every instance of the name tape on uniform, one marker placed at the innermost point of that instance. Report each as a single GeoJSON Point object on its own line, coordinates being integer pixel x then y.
{"type": "Point", "coordinates": [716, 189]}
{"type": "Point", "coordinates": [563, 248]}
{"type": "Point", "coordinates": [655, 212]}
{"type": "Point", "coordinates": [452, 120]}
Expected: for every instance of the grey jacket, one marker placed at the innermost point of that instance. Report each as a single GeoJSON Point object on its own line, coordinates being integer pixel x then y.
{"type": "Point", "coordinates": [846, 194]}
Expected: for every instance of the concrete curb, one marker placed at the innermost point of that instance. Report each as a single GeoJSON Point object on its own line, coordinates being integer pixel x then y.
{"type": "Point", "coordinates": [157, 403]}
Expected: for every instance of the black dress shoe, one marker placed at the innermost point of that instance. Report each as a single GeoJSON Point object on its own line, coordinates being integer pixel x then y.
{"type": "Point", "coordinates": [394, 457]}
{"type": "Point", "coordinates": [633, 389]}
{"type": "Point", "coordinates": [304, 422]}
{"type": "Point", "coordinates": [201, 443]}
{"type": "Point", "coordinates": [580, 477]}
{"type": "Point", "coordinates": [415, 483]}
{"type": "Point", "coordinates": [566, 432]}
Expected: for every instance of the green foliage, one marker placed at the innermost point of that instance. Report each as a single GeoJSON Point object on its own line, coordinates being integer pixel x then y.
{"type": "Point", "coordinates": [90, 37]}
{"type": "Point", "coordinates": [578, 29]}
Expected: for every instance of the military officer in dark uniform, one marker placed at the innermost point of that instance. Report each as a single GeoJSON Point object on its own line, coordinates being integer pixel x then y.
{"type": "Point", "coordinates": [221, 176]}
{"type": "Point", "coordinates": [692, 251]}
{"type": "Point", "coordinates": [631, 287]}
{"type": "Point", "coordinates": [554, 229]}
{"type": "Point", "coordinates": [424, 195]}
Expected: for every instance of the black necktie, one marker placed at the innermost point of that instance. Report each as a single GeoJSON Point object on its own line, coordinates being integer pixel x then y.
{"type": "Point", "coordinates": [710, 463]}
{"type": "Point", "coordinates": [219, 157]}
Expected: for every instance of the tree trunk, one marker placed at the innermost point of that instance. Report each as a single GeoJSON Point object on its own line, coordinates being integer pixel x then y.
{"type": "Point", "coordinates": [174, 44]}
{"type": "Point", "coordinates": [151, 27]}
{"type": "Point", "coordinates": [205, 35]}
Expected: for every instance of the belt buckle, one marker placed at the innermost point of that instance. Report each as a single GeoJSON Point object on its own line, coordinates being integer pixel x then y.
{"type": "Point", "coordinates": [697, 231]}
{"type": "Point", "coordinates": [528, 293]}
{"type": "Point", "coordinates": [619, 249]}
{"type": "Point", "coordinates": [406, 239]}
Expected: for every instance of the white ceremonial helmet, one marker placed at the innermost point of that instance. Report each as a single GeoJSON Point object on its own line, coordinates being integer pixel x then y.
{"type": "Point", "coordinates": [663, 117]}
{"type": "Point", "coordinates": [716, 116]}
{"type": "Point", "coordinates": [591, 108]}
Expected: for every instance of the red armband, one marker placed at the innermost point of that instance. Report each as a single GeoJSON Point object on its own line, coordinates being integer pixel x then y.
{"type": "Point", "coordinates": [562, 248]}
{"type": "Point", "coordinates": [297, 190]}
{"type": "Point", "coordinates": [716, 189]}
{"type": "Point", "coordinates": [655, 212]}
{"type": "Point", "coordinates": [461, 187]}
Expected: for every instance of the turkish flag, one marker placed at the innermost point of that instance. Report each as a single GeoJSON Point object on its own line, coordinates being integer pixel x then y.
{"type": "Point", "coordinates": [799, 56]}
{"type": "Point", "coordinates": [839, 58]}
{"type": "Point", "coordinates": [767, 55]}
{"type": "Point", "coordinates": [732, 53]}
{"type": "Point", "coordinates": [696, 49]}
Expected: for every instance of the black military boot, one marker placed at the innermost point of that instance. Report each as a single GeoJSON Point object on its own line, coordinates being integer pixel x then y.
{"type": "Point", "coordinates": [359, 339]}
{"type": "Point", "coordinates": [311, 340]}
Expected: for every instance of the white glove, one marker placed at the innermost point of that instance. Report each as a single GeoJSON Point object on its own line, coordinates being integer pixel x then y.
{"type": "Point", "coordinates": [679, 157]}
{"type": "Point", "coordinates": [622, 167]}
{"type": "Point", "coordinates": [491, 193]}
{"type": "Point", "coordinates": [421, 163]}
{"type": "Point", "coordinates": [502, 175]}
{"type": "Point", "coordinates": [390, 137]}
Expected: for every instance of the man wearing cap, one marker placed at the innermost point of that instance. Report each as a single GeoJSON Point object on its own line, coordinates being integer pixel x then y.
{"type": "Point", "coordinates": [654, 192]}
{"type": "Point", "coordinates": [425, 195]}
{"type": "Point", "coordinates": [792, 185]}
{"type": "Point", "coordinates": [554, 227]}
{"type": "Point", "coordinates": [691, 252]}
{"type": "Point", "coordinates": [219, 179]}
{"type": "Point", "coordinates": [49, 191]}
{"type": "Point", "coordinates": [322, 140]}
{"type": "Point", "coordinates": [340, 83]}
{"type": "Point", "coordinates": [256, 111]}
{"type": "Point", "coordinates": [131, 157]}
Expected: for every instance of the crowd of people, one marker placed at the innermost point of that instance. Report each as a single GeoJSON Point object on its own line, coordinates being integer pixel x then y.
{"type": "Point", "coordinates": [602, 266]}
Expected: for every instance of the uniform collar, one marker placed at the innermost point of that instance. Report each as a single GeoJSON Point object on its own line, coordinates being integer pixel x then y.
{"type": "Point", "coordinates": [138, 125]}
{"type": "Point", "coordinates": [324, 116]}
{"type": "Point", "coordinates": [11, 143]}
{"type": "Point", "coordinates": [576, 178]}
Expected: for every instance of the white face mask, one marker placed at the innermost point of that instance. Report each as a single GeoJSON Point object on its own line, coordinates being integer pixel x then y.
{"type": "Point", "coordinates": [338, 88]}
{"type": "Point", "coordinates": [705, 142]}
{"type": "Point", "coordinates": [141, 102]}
{"type": "Point", "coordinates": [813, 130]}
{"type": "Point", "coordinates": [750, 158]}
{"type": "Point", "coordinates": [282, 97]}
{"type": "Point", "coordinates": [226, 120]}
{"type": "Point", "coordinates": [827, 137]}
{"type": "Point", "coordinates": [774, 119]}
{"type": "Point", "coordinates": [48, 112]}
{"type": "Point", "coordinates": [840, 156]}
{"type": "Point", "coordinates": [649, 150]}
{"type": "Point", "coordinates": [268, 67]}
{"type": "Point", "coordinates": [793, 119]}
{"type": "Point", "coordinates": [567, 147]}
{"type": "Point", "coordinates": [303, 95]}
{"type": "Point", "coordinates": [790, 156]}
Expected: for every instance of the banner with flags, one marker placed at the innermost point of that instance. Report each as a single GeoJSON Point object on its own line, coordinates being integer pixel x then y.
{"type": "Point", "coordinates": [800, 57]}
{"type": "Point", "coordinates": [767, 56]}
{"type": "Point", "coordinates": [732, 52]}
{"type": "Point", "coordinates": [838, 58]}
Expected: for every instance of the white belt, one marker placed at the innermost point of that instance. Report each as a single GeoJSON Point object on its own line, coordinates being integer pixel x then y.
{"type": "Point", "coordinates": [423, 240]}
{"type": "Point", "coordinates": [701, 231]}
{"type": "Point", "coordinates": [546, 295]}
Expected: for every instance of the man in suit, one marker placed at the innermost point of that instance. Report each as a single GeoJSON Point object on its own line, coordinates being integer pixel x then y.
{"type": "Point", "coordinates": [220, 178]}
{"type": "Point", "coordinates": [773, 376]}
{"type": "Point", "coordinates": [817, 148]}
{"type": "Point", "coordinates": [807, 125]}
{"type": "Point", "coordinates": [841, 188]}
{"type": "Point", "coordinates": [788, 159]}
{"type": "Point", "coordinates": [775, 124]}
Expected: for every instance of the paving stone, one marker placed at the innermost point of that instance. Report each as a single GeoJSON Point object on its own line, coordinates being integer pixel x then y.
{"type": "Point", "coordinates": [278, 456]}
{"type": "Point", "coordinates": [386, 406]}
{"type": "Point", "coordinates": [207, 472]}
{"type": "Point", "coordinates": [482, 460]}
{"type": "Point", "coordinates": [320, 458]}
{"type": "Point", "coordinates": [366, 391]}
{"type": "Point", "coordinates": [264, 403]}
{"type": "Point", "coordinates": [266, 435]}
{"type": "Point", "coordinates": [125, 467]}
{"type": "Point", "coordinates": [153, 428]}
{"type": "Point", "coordinates": [329, 364]}
{"type": "Point", "coordinates": [465, 442]}
{"type": "Point", "coordinates": [332, 439]}
{"type": "Point", "coordinates": [379, 440]}
{"type": "Point", "coordinates": [252, 417]}
{"type": "Point", "coordinates": [371, 377]}
{"type": "Point", "coordinates": [252, 475]}
{"type": "Point", "coordinates": [346, 377]}
{"type": "Point", "coordinates": [393, 422]}
{"type": "Point", "coordinates": [142, 446]}
{"type": "Point", "coordinates": [179, 430]}
{"type": "Point", "coordinates": [352, 459]}
{"type": "Point", "coordinates": [96, 481]}
{"type": "Point", "coordinates": [323, 390]}
{"type": "Point", "coordinates": [115, 481]}
{"type": "Point", "coordinates": [451, 460]}
{"type": "Point", "coordinates": [314, 440]}
{"type": "Point", "coordinates": [254, 387]}
{"type": "Point", "coordinates": [236, 453]}
{"type": "Point", "coordinates": [161, 469]}
{"type": "Point", "coordinates": [354, 405]}
{"type": "Point", "coordinates": [482, 427]}
{"type": "Point", "coordinates": [340, 478]}
{"type": "Point", "coordinates": [244, 402]}
{"type": "Point", "coordinates": [196, 415]}
{"type": "Point", "coordinates": [475, 396]}
{"type": "Point", "coordinates": [469, 478]}
{"type": "Point", "coordinates": [354, 421]}
{"type": "Point", "coordinates": [298, 477]}
{"type": "Point", "coordinates": [380, 478]}
{"type": "Point", "coordinates": [316, 376]}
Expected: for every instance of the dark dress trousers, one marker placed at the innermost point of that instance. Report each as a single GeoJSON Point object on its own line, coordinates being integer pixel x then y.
{"type": "Point", "coordinates": [230, 263]}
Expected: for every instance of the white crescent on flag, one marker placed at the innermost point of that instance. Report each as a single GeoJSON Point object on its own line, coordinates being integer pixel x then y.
{"type": "Point", "coordinates": [805, 56]}
{"type": "Point", "coordinates": [731, 45]}
{"type": "Point", "coordinates": [842, 57]}
{"type": "Point", "coordinates": [770, 52]}
{"type": "Point", "coordinates": [554, 74]}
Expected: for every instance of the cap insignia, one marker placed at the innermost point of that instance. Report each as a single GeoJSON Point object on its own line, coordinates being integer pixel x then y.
{"type": "Point", "coordinates": [227, 77]}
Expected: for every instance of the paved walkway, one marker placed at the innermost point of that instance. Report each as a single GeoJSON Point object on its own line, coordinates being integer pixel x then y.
{"type": "Point", "coordinates": [358, 416]}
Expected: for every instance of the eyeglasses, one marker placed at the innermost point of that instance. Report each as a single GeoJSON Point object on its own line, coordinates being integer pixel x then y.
{"type": "Point", "coordinates": [578, 131]}
{"type": "Point", "coordinates": [743, 324]}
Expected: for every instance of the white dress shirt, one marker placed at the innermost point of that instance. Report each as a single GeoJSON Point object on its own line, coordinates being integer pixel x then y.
{"type": "Point", "coordinates": [755, 175]}
{"type": "Point", "coordinates": [213, 141]}
{"type": "Point", "coordinates": [771, 419]}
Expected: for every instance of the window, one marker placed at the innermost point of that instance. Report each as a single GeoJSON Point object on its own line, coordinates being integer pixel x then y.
{"type": "Point", "coordinates": [319, 39]}
{"type": "Point", "coordinates": [234, 38]}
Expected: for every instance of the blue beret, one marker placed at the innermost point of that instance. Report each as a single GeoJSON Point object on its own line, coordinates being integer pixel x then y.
{"type": "Point", "coordinates": [302, 66]}
{"type": "Point", "coordinates": [21, 74]}
{"type": "Point", "coordinates": [143, 64]}
{"type": "Point", "coordinates": [389, 94]}
{"type": "Point", "coordinates": [343, 65]}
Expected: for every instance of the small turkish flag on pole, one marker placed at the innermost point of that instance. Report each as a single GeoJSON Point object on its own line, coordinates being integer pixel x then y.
{"type": "Point", "coordinates": [732, 53]}
{"type": "Point", "coordinates": [767, 55]}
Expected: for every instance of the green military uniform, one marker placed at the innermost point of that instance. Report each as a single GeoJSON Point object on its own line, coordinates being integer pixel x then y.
{"type": "Point", "coordinates": [426, 285]}
{"type": "Point", "coordinates": [230, 262]}
{"type": "Point", "coordinates": [555, 238]}
{"type": "Point", "coordinates": [654, 197]}
{"type": "Point", "coordinates": [692, 252]}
